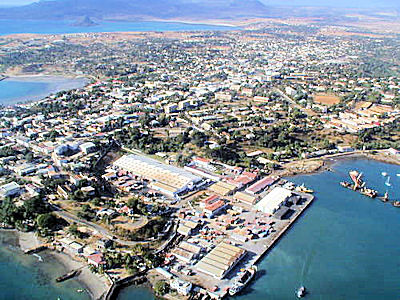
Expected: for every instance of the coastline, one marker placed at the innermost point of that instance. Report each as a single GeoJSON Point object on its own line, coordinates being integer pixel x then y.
{"type": "Point", "coordinates": [317, 165]}
{"type": "Point", "coordinates": [53, 84]}
{"type": "Point", "coordinates": [94, 285]}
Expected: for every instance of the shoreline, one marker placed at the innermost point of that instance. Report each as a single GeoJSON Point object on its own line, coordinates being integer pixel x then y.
{"type": "Point", "coordinates": [94, 285]}
{"type": "Point", "coordinates": [323, 164]}
{"type": "Point", "coordinates": [54, 84]}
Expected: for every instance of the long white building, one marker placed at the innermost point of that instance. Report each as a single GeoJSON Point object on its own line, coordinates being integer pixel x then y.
{"type": "Point", "coordinates": [274, 200]}
{"type": "Point", "coordinates": [168, 179]}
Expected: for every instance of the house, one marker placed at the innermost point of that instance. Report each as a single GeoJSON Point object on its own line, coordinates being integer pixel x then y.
{"type": "Point", "coordinates": [214, 208]}
{"type": "Point", "coordinates": [96, 259]}
{"type": "Point", "coordinates": [181, 286]}
{"type": "Point", "coordinates": [88, 147]}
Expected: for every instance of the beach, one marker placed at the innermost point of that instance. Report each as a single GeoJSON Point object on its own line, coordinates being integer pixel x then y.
{"type": "Point", "coordinates": [94, 284]}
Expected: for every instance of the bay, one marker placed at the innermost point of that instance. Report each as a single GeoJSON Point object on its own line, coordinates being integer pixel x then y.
{"type": "Point", "coordinates": [25, 277]}
{"type": "Point", "coordinates": [65, 27]}
{"type": "Point", "coordinates": [21, 89]}
{"type": "Point", "coordinates": [345, 246]}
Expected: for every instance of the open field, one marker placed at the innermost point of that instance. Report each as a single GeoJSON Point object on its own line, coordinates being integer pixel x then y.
{"type": "Point", "coordinates": [326, 99]}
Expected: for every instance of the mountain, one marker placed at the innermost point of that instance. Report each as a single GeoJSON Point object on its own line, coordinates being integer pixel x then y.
{"type": "Point", "coordinates": [136, 9]}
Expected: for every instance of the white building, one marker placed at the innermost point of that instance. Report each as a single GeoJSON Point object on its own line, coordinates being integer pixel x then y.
{"type": "Point", "coordinates": [166, 178]}
{"type": "Point", "coordinates": [181, 286]}
{"type": "Point", "coordinates": [10, 189]}
{"type": "Point", "coordinates": [273, 200]}
{"type": "Point", "coordinates": [88, 147]}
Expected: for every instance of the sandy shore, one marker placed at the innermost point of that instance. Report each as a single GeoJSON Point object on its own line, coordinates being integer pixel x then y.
{"type": "Point", "coordinates": [95, 285]}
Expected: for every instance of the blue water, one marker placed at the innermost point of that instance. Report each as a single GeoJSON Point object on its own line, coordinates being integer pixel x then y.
{"type": "Point", "coordinates": [345, 246]}
{"type": "Point", "coordinates": [64, 27]}
{"type": "Point", "coordinates": [16, 90]}
{"type": "Point", "coordinates": [24, 277]}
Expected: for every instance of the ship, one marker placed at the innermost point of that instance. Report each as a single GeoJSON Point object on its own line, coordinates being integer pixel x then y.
{"type": "Point", "coordinates": [356, 177]}
{"type": "Point", "coordinates": [385, 198]}
{"type": "Point", "coordinates": [369, 192]}
{"type": "Point", "coordinates": [345, 184]}
{"type": "Point", "coordinates": [68, 276]}
{"type": "Point", "coordinates": [303, 189]}
{"type": "Point", "coordinates": [243, 279]}
{"type": "Point", "coordinates": [301, 292]}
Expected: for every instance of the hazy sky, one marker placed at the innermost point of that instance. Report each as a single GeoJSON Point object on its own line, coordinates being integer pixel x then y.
{"type": "Point", "coordinates": [15, 2]}
{"type": "Point", "coordinates": [336, 3]}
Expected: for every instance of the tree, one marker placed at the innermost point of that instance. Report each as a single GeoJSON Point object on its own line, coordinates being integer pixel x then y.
{"type": "Point", "coordinates": [161, 287]}
{"type": "Point", "coordinates": [47, 221]}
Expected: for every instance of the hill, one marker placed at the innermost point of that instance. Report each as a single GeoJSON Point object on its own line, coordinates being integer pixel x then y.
{"type": "Point", "coordinates": [136, 9]}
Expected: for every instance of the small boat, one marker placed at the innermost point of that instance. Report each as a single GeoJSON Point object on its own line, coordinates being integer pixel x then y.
{"type": "Point", "coordinates": [345, 184]}
{"type": "Point", "coordinates": [384, 174]}
{"type": "Point", "coordinates": [301, 292]}
{"type": "Point", "coordinates": [303, 189]}
{"type": "Point", "coordinates": [385, 198]}
{"type": "Point", "coordinates": [396, 203]}
{"type": "Point", "coordinates": [80, 291]}
{"type": "Point", "coordinates": [387, 183]}
{"type": "Point", "coordinates": [243, 279]}
{"type": "Point", "coordinates": [398, 175]}
{"type": "Point", "coordinates": [369, 192]}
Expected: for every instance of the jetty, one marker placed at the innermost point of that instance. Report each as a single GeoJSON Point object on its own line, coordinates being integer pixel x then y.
{"type": "Point", "coordinates": [268, 243]}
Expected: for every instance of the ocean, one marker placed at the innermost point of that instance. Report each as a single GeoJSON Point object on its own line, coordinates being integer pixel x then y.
{"type": "Point", "coordinates": [64, 27]}
{"type": "Point", "coordinates": [21, 89]}
{"type": "Point", "coordinates": [25, 277]}
{"type": "Point", "coordinates": [345, 246]}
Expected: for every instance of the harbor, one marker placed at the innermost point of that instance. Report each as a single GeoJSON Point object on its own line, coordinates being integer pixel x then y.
{"type": "Point", "coordinates": [242, 254]}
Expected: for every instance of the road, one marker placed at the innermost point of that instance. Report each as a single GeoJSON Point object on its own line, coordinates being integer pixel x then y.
{"type": "Point", "coordinates": [101, 230]}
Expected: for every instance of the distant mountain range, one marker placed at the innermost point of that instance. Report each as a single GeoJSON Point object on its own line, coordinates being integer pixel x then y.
{"type": "Point", "coordinates": [170, 9]}
{"type": "Point", "coordinates": [138, 9]}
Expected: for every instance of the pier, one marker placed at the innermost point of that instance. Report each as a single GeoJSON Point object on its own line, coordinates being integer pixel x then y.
{"type": "Point", "coordinates": [281, 231]}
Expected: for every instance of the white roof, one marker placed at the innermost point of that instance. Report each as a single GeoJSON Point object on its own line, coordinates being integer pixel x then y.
{"type": "Point", "coordinates": [154, 170]}
{"type": "Point", "coordinates": [9, 187]}
{"type": "Point", "coordinates": [273, 200]}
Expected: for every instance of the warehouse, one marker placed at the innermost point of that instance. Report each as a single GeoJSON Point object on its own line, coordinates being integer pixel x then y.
{"type": "Point", "coordinates": [221, 260]}
{"type": "Point", "coordinates": [170, 180]}
{"type": "Point", "coordinates": [274, 200]}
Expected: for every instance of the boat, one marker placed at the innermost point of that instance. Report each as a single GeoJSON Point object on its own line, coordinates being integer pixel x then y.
{"type": "Point", "coordinates": [303, 189]}
{"type": "Point", "coordinates": [345, 184]}
{"type": "Point", "coordinates": [385, 198]}
{"type": "Point", "coordinates": [243, 279]}
{"type": "Point", "coordinates": [387, 182]}
{"type": "Point", "coordinates": [356, 177]}
{"type": "Point", "coordinates": [398, 175]}
{"type": "Point", "coordinates": [384, 174]}
{"type": "Point", "coordinates": [396, 203]}
{"type": "Point", "coordinates": [369, 192]}
{"type": "Point", "coordinates": [301, 292]}
{"type": "Point", "coordinates": [68, 276]}
{"type": "Point", "coordinates": [80, 291]}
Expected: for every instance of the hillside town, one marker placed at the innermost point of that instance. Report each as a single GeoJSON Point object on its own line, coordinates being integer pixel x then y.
{"type": "Point", "coordinates": [170, 166]}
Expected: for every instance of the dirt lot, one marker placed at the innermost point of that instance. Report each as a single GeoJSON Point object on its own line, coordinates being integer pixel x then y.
{"type": "Point", "coordinates": [326, 99]}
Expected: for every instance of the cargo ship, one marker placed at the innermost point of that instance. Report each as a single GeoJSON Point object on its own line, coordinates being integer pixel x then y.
{"type": "Point", "coordinates": [358, 184]}
{"type": "Point", "coordinates": [244, 278]}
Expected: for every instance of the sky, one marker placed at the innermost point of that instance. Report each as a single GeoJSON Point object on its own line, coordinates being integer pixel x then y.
{"type": "Point", "coordinates": [336, 3]}
{"type": "Point", "coordinates": [15, 2]}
